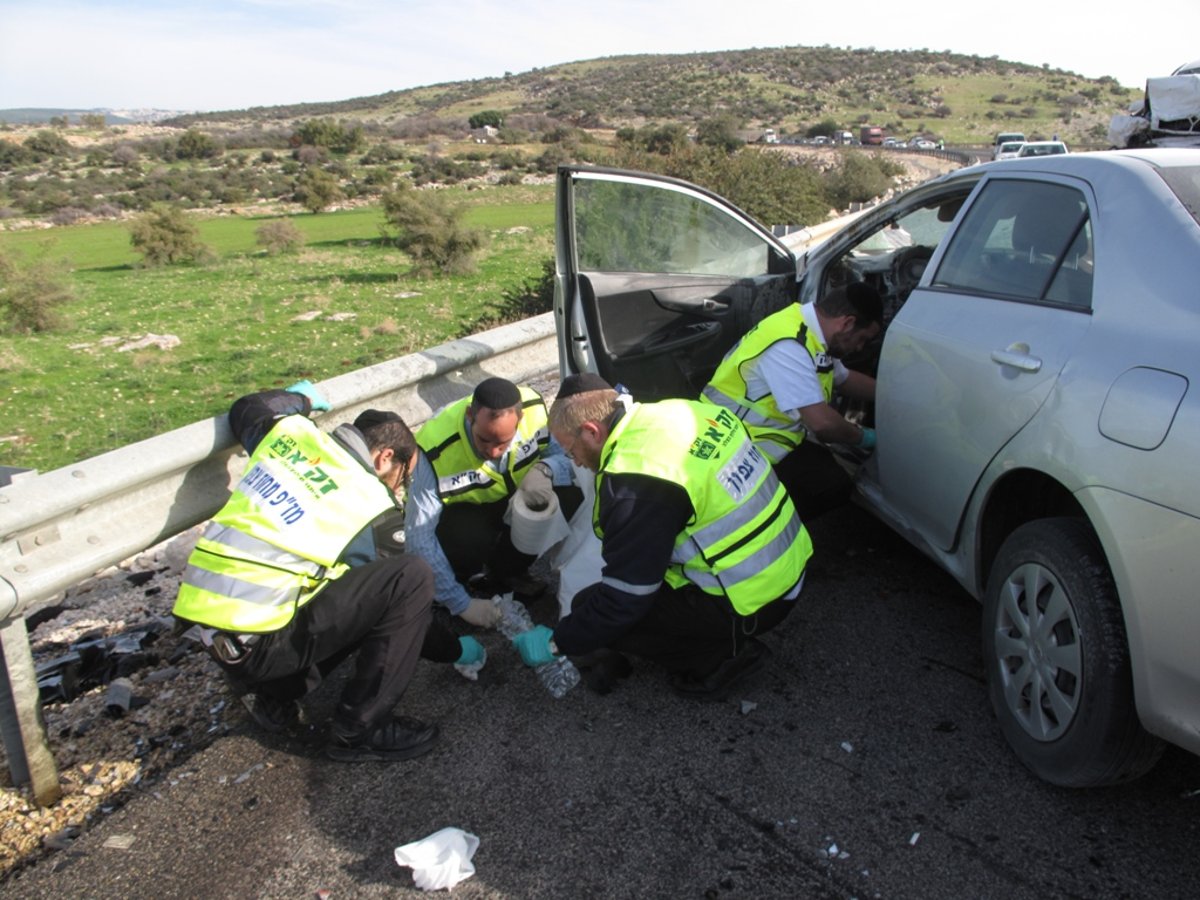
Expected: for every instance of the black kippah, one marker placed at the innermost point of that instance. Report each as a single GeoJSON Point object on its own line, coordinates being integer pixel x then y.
{"type": "Point", "coordinates": [369, 418]}
{"type": "Point", "coordinates": [581, 384]}
{"type": "Point", "coordinates": [496, 393]}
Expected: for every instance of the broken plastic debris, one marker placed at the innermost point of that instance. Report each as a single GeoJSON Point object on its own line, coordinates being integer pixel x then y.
{"type": "Point", "coordinates": [748, 707]}
{"type": "Point", "coordinates": [119, 842]}
{"type": "Point", "coordinates": [912, 841]}
{"type": "Point", "coordinates": [847, 746]}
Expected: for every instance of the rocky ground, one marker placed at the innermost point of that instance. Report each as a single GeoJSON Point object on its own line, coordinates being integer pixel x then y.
{"type": "Point", "coordinates": [110, 635]}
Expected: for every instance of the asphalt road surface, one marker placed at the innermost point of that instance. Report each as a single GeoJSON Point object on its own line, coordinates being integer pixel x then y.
{"type": "Point", "coordinates": [865, 762]}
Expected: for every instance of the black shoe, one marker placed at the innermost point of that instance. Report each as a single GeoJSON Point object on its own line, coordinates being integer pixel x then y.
{"type": "Point", "coordinates": [271, 714]}
{"type": "Point", "coordinates": [602, 669]}
{"type": "Point", "coordinates": [716, 684]}
{"type": "Point", "coordinates": [397, 738]}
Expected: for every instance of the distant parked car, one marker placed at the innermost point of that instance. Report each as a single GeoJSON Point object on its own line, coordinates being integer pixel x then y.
{"type": "Point", "coordinates": [1009, 150]}
{"type": "Point", "coordinates": [924, 144]}
{"type": "Point", "coordinates": [1037, 414]}
{"type": "Point", "coordinates": [1006, 137]}
{"type": "Point", "coordinates": [1042, 148]}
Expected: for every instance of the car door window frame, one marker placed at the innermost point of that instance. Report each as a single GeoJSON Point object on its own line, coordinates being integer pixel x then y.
{"type": "Point", "coordinates": [1022, 240]}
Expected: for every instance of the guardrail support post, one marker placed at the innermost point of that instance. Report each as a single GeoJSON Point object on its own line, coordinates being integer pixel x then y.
{"type": "Point", "coordinates": [29, 756]}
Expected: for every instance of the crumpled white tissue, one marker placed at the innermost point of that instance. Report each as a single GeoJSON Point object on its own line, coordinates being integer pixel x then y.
{"type": "Point", "coordinates": [441, 860]}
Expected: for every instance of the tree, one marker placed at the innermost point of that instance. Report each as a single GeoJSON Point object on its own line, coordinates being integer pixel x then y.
{"type": "Point", "coordinates": [316, 189]}
{"type": "Point", "coordinates": [430, 229]}
{"type": "Point", "coordinates": [329, 134]}
{"type": "Point", "coordinates": [31, 294]}
{"type": "Point", "coordinates": [491, 117]}
{"type": "Point", "coordinates": [195, 144]}
{"type": "Point", "coordinates": [165, 236]}
{"type": "Point", "coordinates": [720, 132]}
{"type": "Point", "coordinates": [47, 143]}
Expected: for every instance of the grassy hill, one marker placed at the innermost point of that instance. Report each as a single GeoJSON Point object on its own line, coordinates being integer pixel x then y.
{"type": "Point", "coordinates": [962, 99]}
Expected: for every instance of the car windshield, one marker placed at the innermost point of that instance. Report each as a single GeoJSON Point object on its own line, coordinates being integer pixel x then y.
{"type": "Point", "coordinates": [1184, 182]}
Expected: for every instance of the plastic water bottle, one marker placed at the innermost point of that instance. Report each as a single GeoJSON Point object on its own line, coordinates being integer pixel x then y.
{"type": "Point", "coordinates": [559, 675]}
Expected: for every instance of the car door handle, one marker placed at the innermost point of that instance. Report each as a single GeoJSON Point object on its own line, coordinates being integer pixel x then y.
{"type": "Point", "coordinates": [1018, 357]}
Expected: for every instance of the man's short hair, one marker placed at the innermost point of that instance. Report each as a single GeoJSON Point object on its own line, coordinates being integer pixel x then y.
{"type": "Point", "coordinates": [856, 299]}
{"type": "Point", "coordinates": [496, 394]}
{"type": "Point", "coordinates": [389, 433]}
{"type": "Point", "coordinates": [570, 411]}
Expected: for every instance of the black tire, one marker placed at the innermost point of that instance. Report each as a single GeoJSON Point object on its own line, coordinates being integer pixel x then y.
{"type": "Point", "coordinates": [1057, 659]}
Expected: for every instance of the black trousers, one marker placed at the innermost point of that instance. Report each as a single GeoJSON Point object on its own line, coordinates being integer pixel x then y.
{"type": "Point", "coordinates": [380, 612]}
{"type": "Point", "coordinates": [814, 480]}
{"type": "Point", "coordinates": [692, 632]}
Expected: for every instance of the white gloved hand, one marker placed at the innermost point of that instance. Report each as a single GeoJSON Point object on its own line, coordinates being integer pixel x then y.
{"type": "Point", "coordinates": [481, 613]}
{"type": "Point", "coordinates": [537, 487]}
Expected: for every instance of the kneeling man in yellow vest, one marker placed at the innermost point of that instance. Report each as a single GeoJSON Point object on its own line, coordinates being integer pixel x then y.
{"type": "Point", "coordinates": [702, 548]}
{"type": "Point", "coordinates": [476, 455]}
{"type": "Point", "coordinates": [287, 580]}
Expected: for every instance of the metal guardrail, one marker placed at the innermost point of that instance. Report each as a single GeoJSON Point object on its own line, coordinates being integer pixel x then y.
{"type": "Point", "coordinates": [61, 527]}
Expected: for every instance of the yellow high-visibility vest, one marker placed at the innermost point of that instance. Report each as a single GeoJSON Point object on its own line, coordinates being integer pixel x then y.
{"type": "Point", "coordinates": [746, 541]}
{"type": "Point", "coordinates": [276, 543]}
{"type": "Point", "coordinates": [775, 433]}
{"type": "Point", "coordinates": [465, 478]}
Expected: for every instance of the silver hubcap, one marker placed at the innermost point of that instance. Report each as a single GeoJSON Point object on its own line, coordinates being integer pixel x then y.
{"type": "Point", "coordinates": [1038, 652]}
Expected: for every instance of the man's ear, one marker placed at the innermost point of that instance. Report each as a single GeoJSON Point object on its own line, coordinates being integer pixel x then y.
{"type": "Point", "coordinates": [383, 457]}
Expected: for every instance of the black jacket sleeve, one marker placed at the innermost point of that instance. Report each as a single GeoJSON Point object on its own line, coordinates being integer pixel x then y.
{"type": "Point", "coordinates": [252, 416]}
{"type": "Point", "coordinates": [641, 517]}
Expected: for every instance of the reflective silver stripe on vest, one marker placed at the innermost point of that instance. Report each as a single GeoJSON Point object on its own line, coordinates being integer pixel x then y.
{"type": "Point", "coordinates": [759, 560]}
{"type": "Point", "coordinates": [260, 551]}
{"type": "Point", "coordinates": [638, 590]}
{"type": "Point", "coordinates": [735, 519]}
{"type": "Point", "coordinates": [228, 586]}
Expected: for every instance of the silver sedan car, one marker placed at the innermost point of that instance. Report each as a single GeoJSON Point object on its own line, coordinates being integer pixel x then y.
{"type": "Point", "coordinates": [1035, 418]}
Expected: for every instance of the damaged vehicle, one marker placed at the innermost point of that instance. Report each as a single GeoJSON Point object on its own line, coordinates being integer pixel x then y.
{"type": "Point", "coordinates": [1168, 114]}
{"type": "Point", "coordinates": [1035, 417]}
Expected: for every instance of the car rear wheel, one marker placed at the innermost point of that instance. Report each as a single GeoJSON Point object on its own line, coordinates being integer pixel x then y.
{"type": "Point", "coordinates": [1057, 659]}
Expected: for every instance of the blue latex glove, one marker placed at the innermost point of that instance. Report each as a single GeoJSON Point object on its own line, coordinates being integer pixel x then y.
{"type": "Point", "coordinates": [534, 646]}
{"type": "Point", "coordinates": [868, 439]}
{"type": "Point", "coordinates": [472, 651]}
{"type": "Point", "coordinates": [315, 399]}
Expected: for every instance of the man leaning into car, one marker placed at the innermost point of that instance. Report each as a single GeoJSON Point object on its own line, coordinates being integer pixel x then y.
{"type": "Point", "coordinates": [779, 380]}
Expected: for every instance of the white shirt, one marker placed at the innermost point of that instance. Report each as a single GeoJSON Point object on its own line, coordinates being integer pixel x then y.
{"type": "Point", "coordinates": [786, 370]}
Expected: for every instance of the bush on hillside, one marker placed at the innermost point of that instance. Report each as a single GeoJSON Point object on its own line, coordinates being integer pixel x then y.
{"type": "Point", "coordinates": [860, 177]}
{"type": "Point", "coordinates": [32, 295]}
{"type": "Point", "coordinates": [429, 227]}
{"type": "Point", "coordinates": [316, 190]}
{"type": "Point", "coordinates": [279, 236]}
{"type": "Point", "coordinates": [165, 236]}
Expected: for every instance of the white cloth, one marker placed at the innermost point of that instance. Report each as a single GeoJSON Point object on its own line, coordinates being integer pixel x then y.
{"type": "Point", "coordinates": [440, 861]}
{"type": "Point", "coordinates": [577, 559]}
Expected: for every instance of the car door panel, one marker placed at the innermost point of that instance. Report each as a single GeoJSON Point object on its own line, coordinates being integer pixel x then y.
{"type": "Point", "coordinates": [658, 278]}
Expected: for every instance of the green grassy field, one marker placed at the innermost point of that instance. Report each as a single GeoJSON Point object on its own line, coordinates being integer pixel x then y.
{"type": "Point", "coordinates": [245, 322]}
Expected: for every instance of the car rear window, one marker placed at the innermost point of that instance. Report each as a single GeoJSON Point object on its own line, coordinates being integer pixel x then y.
{"type": "Point", "coordinates": [1023, 240]}
{"type": "Point", "coordinates": [1184, 182]}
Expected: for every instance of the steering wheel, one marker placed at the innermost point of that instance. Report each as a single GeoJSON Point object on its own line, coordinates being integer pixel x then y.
{"type": "Point", "coordinates": [908, 265]}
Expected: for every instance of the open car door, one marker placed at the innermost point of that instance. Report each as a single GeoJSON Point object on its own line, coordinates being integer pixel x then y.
{"type": "Point", "coordinates": [657, 279]}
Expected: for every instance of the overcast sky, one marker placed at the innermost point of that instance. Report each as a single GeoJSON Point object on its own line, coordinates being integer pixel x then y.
{"type": "Point", "coordinates": [233, 54]}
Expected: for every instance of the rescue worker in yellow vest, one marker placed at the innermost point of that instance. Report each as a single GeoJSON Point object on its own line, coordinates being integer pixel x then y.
{"type": "Point", "coordinates": [702, 548]}
{"type": "Point", "coordinates": [779, 380]}
{"type": "Point", "coordinates": [476, 453]}
{"type": "Point", "coordinates": [285, 582]}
